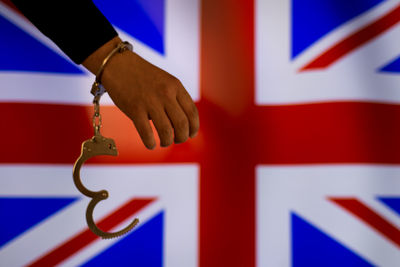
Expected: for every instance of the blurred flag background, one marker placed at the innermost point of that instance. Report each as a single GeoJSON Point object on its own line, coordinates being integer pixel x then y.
{"type": "Point", "coordinates": [296, 162]}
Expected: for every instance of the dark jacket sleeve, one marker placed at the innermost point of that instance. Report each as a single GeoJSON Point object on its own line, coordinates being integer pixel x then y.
{"type": "Point", "coordinates": [76, 26]}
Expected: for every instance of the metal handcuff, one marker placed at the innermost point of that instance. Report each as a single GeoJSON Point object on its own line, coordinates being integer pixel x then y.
{"type": "Point", "coordinates": [96, 146]}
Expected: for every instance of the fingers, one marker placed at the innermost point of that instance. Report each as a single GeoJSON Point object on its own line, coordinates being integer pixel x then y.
{"type": "Point", "coordinates": [183, 119]}
{"type": "Point", "coordinates": [190, 109]}
{"type": "Point", "coordinates": [143, 127]}
{"type": "Point", "coordinates": [179, 121]}
{"type": "Point", "coordinates": [163, 126]}
{"type": "Point", "coordinates": [172, 124]}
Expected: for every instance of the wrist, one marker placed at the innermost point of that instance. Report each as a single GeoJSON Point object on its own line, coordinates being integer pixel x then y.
{"type": "Point", "coordinates": [95, 60]}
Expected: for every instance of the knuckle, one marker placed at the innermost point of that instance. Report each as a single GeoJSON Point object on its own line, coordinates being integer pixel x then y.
{"type": "Point", "coordinates": [168, 91]}
{"type": "Point", "coordinates": [175, 82]}
{"type": "Point", "coordinates": [171, 87]}
{"type": "Point", "coordinates": [137, 107]}
{"type": "Point", "coordinates": [193, 113]}
{"type": "Point", "coordinates": [181, 124]}
{"type": "Point", "coordinates": [135, 111]}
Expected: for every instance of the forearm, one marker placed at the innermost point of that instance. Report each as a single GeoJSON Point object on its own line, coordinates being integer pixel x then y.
{"type": "Point", "coordinates": [138, 88]}
{"type": "Point", "coordinates": [76, 26]}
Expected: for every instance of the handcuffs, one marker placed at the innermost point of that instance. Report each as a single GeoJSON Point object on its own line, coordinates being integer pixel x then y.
{"type": "Point", "coordinates": [96, 146]}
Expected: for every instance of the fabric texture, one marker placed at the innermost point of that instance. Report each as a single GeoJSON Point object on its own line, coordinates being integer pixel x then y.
{"type": "Point", "coordinates": [76, 26]}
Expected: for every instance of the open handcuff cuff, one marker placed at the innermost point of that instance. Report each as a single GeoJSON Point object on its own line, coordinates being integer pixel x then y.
{"type": "Point", "coordinates": [96, 146]}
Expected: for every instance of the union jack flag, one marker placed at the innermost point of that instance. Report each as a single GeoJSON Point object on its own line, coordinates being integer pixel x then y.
{"type": "Point", "coordinates": [293, 164]}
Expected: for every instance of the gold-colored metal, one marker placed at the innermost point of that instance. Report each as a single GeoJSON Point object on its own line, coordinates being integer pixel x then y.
{"type": "Point", "coordinates": [97, 121]}
{"type": "Point", "coordinates": [96, 146]}
{"type": "Point", "coordinates": [123, 46]}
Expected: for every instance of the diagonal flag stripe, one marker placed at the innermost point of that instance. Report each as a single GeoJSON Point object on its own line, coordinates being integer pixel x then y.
{"type": "Point", "coordinates": [370, 217]}
{"type": "Point", "coordinates": [86, 237]}
{"type": "Point", "coordinates": [11, 5]}
{"type": "Point", "coordinates": [354, 41]}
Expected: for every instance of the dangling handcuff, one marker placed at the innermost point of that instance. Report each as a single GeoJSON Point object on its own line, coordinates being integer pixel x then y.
{"type": "Point", "coordinates": [96, 146]}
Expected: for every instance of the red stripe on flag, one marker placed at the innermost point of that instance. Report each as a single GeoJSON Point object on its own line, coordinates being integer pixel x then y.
{"type": "Point", "coordinates": [350, 132]}
{"type": "Point", "coordinates": [370, 217]}
{"type": "Point", "coordinates": [354, 41]}
{"type": "Point", "coordinates": [84, 238]}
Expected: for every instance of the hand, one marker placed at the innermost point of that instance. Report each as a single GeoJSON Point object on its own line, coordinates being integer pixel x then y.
{"type": "Point", "coordinates": [145, 92]}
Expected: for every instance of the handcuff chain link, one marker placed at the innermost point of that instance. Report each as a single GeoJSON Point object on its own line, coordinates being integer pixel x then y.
{"type": "Point", "coordinates": [97, 121]}
{"type": "Point", "coordinates": [97, 88]}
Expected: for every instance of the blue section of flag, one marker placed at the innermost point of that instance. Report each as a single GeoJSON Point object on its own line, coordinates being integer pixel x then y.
{"type": "Point", "coordinates": [393, 66]}
{"type": "Point", "coordinates": [312, 247]}
{"type": "Point", "coordinates": [21, 52]}
{"type": "Point", "coordinates": [143, 247]}
{"type": "Point", "coordinates": [19, 214]}
{"type": "Point", "coordinates": [142, 19]}
{"type": "Point", "coordinates": [391, 202]}
{"type": "Point", "coordinates": [312, 19]}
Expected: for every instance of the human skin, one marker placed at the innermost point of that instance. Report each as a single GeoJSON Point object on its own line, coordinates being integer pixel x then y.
{"type": "Point", "coordinates": [145, 92]}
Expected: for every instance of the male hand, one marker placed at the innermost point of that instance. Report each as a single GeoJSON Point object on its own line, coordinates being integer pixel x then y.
{"type": "Point", "coordinates": [145, 92]}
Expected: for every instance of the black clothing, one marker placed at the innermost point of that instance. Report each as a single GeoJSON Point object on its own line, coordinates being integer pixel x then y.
{"type": "Point", "coordinates": [76, 26]}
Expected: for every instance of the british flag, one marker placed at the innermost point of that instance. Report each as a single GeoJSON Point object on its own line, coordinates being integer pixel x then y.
{"type": "Point", "coordinates": [295, 163]}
